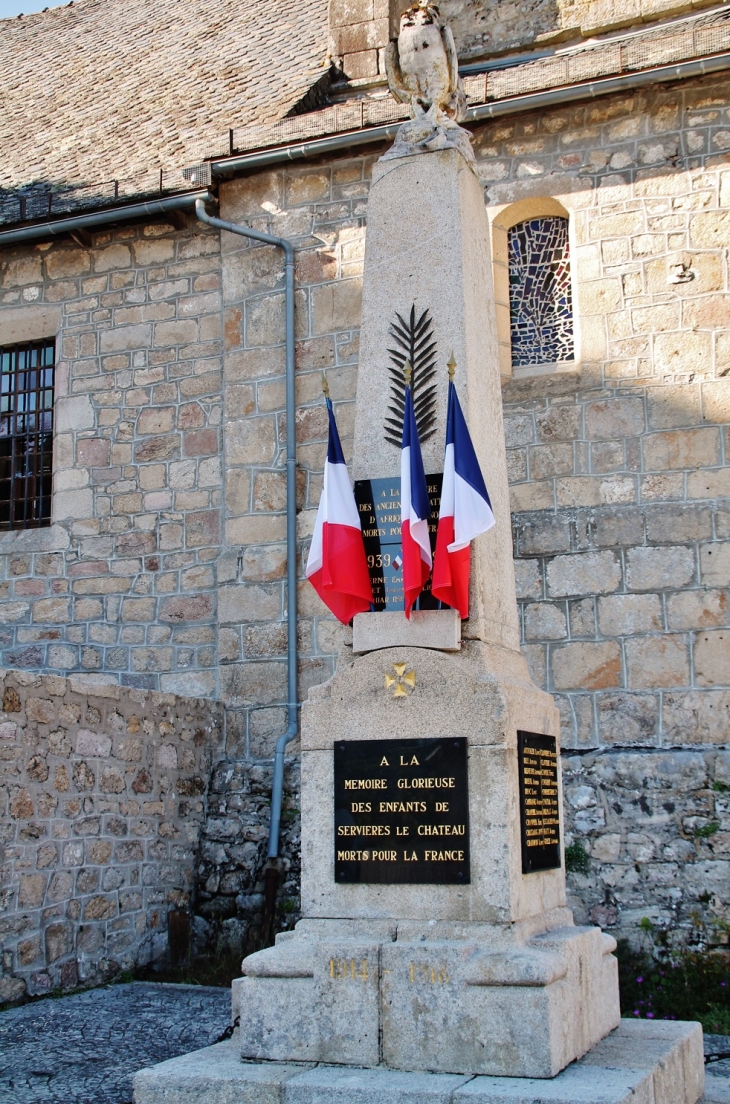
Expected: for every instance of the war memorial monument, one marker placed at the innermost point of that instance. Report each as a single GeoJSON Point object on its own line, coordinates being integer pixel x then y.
{"type": "Point", "coordinates": [436, 959]}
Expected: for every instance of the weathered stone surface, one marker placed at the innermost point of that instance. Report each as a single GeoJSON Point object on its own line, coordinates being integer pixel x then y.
{"type": "Point", "coordinates": [642, 1061]}
{"type": "Point", "coordinates": [105, 842]}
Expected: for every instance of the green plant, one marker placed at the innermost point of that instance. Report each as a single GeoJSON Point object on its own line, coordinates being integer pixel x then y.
{"type": "Point", "coordinates": [720, 787]}
{"type": "Point", "coordinates": [707, 830]}
{"type": "Point", "coordinates": [577, 858]}
{"type": "Point", "coordinates": [716, 1020]}
{"type": "Point", "coordinates": [687, 984]}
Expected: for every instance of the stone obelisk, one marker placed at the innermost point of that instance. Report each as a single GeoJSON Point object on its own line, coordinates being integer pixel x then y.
{"type": "Point", "coordinates": [432, 940]}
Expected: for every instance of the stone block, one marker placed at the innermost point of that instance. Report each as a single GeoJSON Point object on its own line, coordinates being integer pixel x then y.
{"type": "Point", "coordinates": [626, 719]}
{"type": "Point", "coordinates": [686, 449]}
{"type": "Point", "coordinates": [627, 614]}
{"type": "Point", "coordinates": [156, 420]}
{"type": "Point", "coordinates": [683, 352]}
{"type": "Point", "coordinates": [336, 306]}
{"type": "Point", "coordinates": [672, 523]}
{"type": "Point", "coordinates": [583, 573]}
{"type": "Point", "coordinates": [544, 535]}
{"type": "Point", "coordinates": [59, 941]}
{"type": "Point", "coordinates": [182, 608]}
{"type": "Point", "coordinates": [454, 1005]}
{"type": "Point", "coordinates": [215, 1074]}
{"type": "Point", "coordinates": [553, 459]}
{"type": "Point", "coordinates": [610, 419]}
{"type": "Point", "coordinates": [247, 602]}
{"type": "Point", "coordinates": [659, 568]}
{"type": "Point", "coordinates": [657, 661]}
{"type": "Point", "coordinates": [709, 484]}
{"type": "Point", "coordinates": [111, 257]}
{"type": "Point", "coordinates": [32, 890]}
{"type": "Point", "coordinates": [545, 621]}
{"type": "Point", "coordinates": [251, 441]}
{"type": "Point", "coordinates": [673, 406]}
{"type": "Point", "coordinates": [92, 743]}
{"type": "Point", "coordinates": [710, 229]}
{"type": "Point", "coordinates": [715, 563]}
{"type": "Point", "coordinates": [697, 609]}
{"type": "Point", "coordinates": [619, 526]}
{"type": "Point", "coordinates": [712, 658]}
{"type": "Point", "coordinates": [559, 423]}
{"type": "Point", "coordinates": [586, 666]}
{"type": "Point", "coordinates": [373, 1087]}
{"type": "Point", "coordinates": [528, 578]}
{"type": "Point", "coordinates": [438, 629]}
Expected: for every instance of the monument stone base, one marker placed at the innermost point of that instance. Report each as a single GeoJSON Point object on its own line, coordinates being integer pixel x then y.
{"type": "Point", "coordinates": [522, 1000]}
{"type": "Point", "coordinates": [640, 1062]}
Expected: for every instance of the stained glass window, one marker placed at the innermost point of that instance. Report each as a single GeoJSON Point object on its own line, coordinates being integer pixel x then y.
{"type": "Point", "coordinates": [26, 435]}
{"type": "Point", "coordinates": [540, 305]}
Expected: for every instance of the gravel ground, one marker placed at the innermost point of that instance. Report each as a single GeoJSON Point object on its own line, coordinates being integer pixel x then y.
{"type": "Point", "coordinates": [84, 1049]}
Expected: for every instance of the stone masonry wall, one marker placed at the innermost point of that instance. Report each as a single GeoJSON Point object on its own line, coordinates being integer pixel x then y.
{"type": "Point", "coordinates": [124, 581]}
{"type": "Point", "coordinates": [360, 29]}
{"type": "Point", "coordinates": [102, 802]}
{"type": "Point", "coordinates": [619, 470]}
{"type": "Point", "coordinates": [654, 835]}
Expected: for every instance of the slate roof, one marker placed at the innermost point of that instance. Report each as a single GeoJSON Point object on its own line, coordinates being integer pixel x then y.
{"type": "Point", "coordinates": [103, 89]}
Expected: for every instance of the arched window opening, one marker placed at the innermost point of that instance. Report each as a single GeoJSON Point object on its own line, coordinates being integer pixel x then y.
{"type": "Point", "coordinates": [540, 301]}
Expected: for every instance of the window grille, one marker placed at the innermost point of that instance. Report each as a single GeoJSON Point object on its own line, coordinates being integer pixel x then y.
{"type": "Point", "coordinates": [540, 301]}
{"type": "Point", "coordinates": [26, 434]}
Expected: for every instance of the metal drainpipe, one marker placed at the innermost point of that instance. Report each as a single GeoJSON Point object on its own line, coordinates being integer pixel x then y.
{"type": "Point", "coordinates": [271, 873]}
{"type": "Point", "coordinates": [150, 208]}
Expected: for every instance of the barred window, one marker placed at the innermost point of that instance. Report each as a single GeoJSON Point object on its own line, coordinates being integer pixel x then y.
{"type": "Point", "coordinates": [540, 301]}
{"type": "Point", "coordinates": [26, 434]}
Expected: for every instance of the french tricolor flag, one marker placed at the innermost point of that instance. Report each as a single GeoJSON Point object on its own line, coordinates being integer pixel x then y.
{"type": "Point", "coordinates": [465, 512]}
{"type": "Point", "coordinates": [415, 510]}
{"type": "Point", "coordinates": [337, 567]}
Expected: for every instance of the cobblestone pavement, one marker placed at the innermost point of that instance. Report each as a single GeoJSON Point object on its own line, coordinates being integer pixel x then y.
{"type": "Point", "coordinates": [84, 1049]}
{"type": "Point", "coordinates": [717, 1073]}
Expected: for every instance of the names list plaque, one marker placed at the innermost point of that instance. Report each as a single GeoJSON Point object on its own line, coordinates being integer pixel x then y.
{"type": "Point", "coordinates": [378, 504]}
{"type": "Point", "coordinates": [402, 811]}
{"type": "Point", "coordinates": [539, 809]}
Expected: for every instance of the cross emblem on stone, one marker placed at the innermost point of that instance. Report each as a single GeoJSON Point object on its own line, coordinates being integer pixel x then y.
{"type": "Point", "coordinates": [403, 682]}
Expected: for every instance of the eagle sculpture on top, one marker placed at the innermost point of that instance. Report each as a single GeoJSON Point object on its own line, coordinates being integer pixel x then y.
{"type": "Point", "coordinates": [423, 71]}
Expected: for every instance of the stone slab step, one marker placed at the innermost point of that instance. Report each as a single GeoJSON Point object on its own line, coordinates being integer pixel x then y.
{"type": "Point", "coordinates": [641, 1062]}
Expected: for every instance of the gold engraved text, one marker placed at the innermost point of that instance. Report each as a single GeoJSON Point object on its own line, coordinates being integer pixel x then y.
{"type": "Point", "coordinates": [347, 969]}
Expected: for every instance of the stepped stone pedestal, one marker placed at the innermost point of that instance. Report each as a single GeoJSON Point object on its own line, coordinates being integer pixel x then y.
{"type": "Point", "coordinates": [641, 1062]}
{"type": "Point", "coordinates": [435, 960]}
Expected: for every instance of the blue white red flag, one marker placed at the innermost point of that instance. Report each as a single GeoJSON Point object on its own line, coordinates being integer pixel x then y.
{"type": "Point", "coordinates": [465, 511]}
{"type": "Point", "coordinates": [415, 510]}
{"type": "Point", "coordinates": [337, 567]}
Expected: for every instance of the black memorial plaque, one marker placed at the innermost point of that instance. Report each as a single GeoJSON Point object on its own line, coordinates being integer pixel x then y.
{"type": "Point", "coordinates": [378, 503]}
{"type": "Point", "coordinates": [402, 811]}
{"type": "Point", "coordinates": [539, 807]}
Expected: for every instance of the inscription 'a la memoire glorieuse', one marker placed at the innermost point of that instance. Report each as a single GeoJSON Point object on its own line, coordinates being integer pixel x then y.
{"type": "Point", "coordinates": [409, 799]}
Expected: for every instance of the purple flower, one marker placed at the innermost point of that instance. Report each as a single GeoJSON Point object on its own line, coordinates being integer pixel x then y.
{"type": "Point", "coordinates": [636, 1012]}
{"type": "Point", "coordinates": [639, 980]}
{"type": "Point", "coordinates": [650, 1015]}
